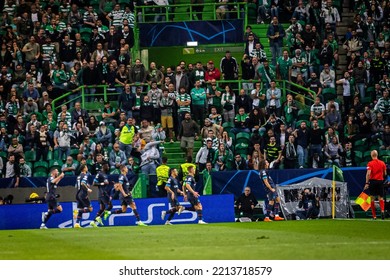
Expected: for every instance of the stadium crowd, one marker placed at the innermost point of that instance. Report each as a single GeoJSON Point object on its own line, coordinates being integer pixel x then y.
{"type": "Point", "coordinates": [49, 48]}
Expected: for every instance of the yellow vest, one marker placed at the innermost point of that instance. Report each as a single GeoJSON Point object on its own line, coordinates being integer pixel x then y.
{"type": "Point", "coordinates": [184, 169]}
{"type": "Point", "coordinates": [162, 174]}
{"type": "Point", "coordinates": [127, 134]}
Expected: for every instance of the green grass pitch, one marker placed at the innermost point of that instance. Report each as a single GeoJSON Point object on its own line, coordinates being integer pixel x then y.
{"type": "Point", "coordinates": [295, 240]}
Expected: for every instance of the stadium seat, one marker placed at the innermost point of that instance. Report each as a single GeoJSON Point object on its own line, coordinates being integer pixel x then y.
{"type": "Point", "coordinates": [55, 163]}
{"type": "Point", "coordinates": [361, 145]}
{"type": "Point", "coordinates": [242, 137]}
{"type": "Point", "coordinates": [74, 152]}
{"type": "Point", "coordinates": [329, 93]}
{"type": "Point", "coordinates": [49, 155]}
{"type": "Point", "coordinates": [30, 156]}
{"type": "Point", "coordinates": [358, 157]}
{"type": "Point", "coordinates": [3, 154]}
{"type": "Point", "coordinates": [30, 164]}
{"type": "Point", "coordinates": [40, 174]}
{"type": "Point", "coordinates": [41, 166]}
{"type": "Point", "coordinates": [241, 148]}
{"type": "Point", "coordinates": [367, 156]}
{"type": "Point", "coordinates": [304, 114]}
{"type": "Point", "coordinates": [227, 126]}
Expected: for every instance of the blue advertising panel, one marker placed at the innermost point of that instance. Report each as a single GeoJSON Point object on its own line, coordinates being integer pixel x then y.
{"type": "Point", "coordinates": [179, 33]}
{"type": "Point", "coordinates": [216, 209]}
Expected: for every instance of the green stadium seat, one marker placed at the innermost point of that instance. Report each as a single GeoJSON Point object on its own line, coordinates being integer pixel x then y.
{"type": "Point", "coordinates": [55, 163]}
{"type": "Point", "coordinates": [304, 114]}
{"type": "Point", "coordinates": [30, 164]}
{"type": "Point", "coordinates": [3, 154]}
{"type": "Point", "coordinates": [367, 156]}
{"type": "Point", "coordinates": [241, 148]}
{"type": "Point", "coordinates": [227, 126]}
{"type": "Point", "coordinates": [242, 137]}
{"type": "Point", "coordinates": [383, 153]}
{"type": "Point", "coordinates": [41, 166]}
{"type": "Point", "coordinates": [40, 174]}
{"type": "Point", "coordinates": [361, 145]}
{"type": "Point", "coordinates": [49, 155]}
{"type": "Point", "coordinates": [30, 156]}
{"type": "Point", "coordinates": [358, 157]}
{"type": "Point", "coordinates": [329, 93]}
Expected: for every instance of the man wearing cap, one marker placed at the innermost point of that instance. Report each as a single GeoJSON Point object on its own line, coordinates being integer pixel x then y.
{"type": "Point", "coordinates": [205, 154]}
{"type": "Point", "coordinates": [212, 72]}
{"type": "Point", "coordinates": [30, 106]}
{"type": "Point", "coordinates": [103, 135]}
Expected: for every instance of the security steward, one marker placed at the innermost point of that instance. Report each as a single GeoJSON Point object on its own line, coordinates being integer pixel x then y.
{"type": "Point", "coordinates": [162, 173]}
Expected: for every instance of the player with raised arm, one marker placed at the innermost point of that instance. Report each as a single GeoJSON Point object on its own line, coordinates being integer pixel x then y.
{"type": "Point", "coordinates": [51, 197]}
{"type": "Point", "coordinates": [191, 195]}
{"type": "Point", "coordinates": [83, 189]}
{"type": "Point", "coordinates": [172, 187]}
{"type": "Point", "coordinates": [101, 182]}
{"type": "Point", "coordinates": [123, 186]}
{"type": "Point", "coordinates": [272, 195]}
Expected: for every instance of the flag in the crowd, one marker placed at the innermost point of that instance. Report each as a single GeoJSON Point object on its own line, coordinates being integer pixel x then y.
{"type": "Point", "coordinates": [364, 200]}
{"type": "Point", "coordinates": [337, 174]}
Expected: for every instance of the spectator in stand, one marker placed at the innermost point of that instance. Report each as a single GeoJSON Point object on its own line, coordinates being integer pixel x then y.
{"type": "Point", "coordinates": [222, 158]}
{"type": "Point", "coordinates": [258, 98]}
{"type": "Point", "coordinates": [30, 107]}
{"type": "Point", "coordinates": [273, 100]}
{"type": "Point", "coordinates": [333, 151]}
{"type": "Point", "coordinates": [244, 101]}
{"type": "Point", "coordinates": [333, 118]}
{"type": "Point", "coordinates": [247, 74]}
{"type": "Point", "coordinates": [241, 122]}
{"type": "Point", "coordinates": [276, 34]}
{"type": "Point", "coordinates": [180, 79]}
{"type": "Point", "coordinates": [69, 167]}
{"type": "Point", "coordinates": [317, 110]}
{"type": "Point", "coordinates": [147, 109]}
{"type": "Point", "coordinates": [197, 74]}
{"type": "Point", "coordinates": [205, 154]}
{"type": "Point", "coordinates": [229, 67]}
{"type": "Point", "coordinates": [212, 73]}
{"type": "Point", "coordinates": [302, 136]}
{"type": "Point", "coordinates": [228, 101]}
{"type": "Point", "coordinates": [383, 105]}
{"type": "Point", "coordinates": [283, 65]}
{"type": "Point", "coordinates": [126, 101]}
{"type": "Point", "coordinates": [239, 163]}
{"type": "Point", "coordinates": [146, 131]}
{"type": "Point", "coordinates": [103, 135]}
{"type": "Point", "coordinates": [360, 75]}
{"type": "Point", "coordinates": [328, 77]}
{"type": "Point", "coordinates": [12, 170]}
{"type": "Point", "coordinates": [62, 140]}
{"type": "Point", "coordinates": [188, 132]}
{"type": "Point", "coordinates": [155, 96]}
{"type": "Point", "coordinates": [386, 138]}
{"type": "Point", "coordinates": [117, 157]}
{"type": "Point", "coordinates": [289, 153]}
{"type": "Point", "coordinates": [273, 153]}
{"type": "Point", "coordinates": [90, 75]}
{"type": "Point", "coordinates": [43, 143]}
{"type": "Point", "coordinates": [16, 148]}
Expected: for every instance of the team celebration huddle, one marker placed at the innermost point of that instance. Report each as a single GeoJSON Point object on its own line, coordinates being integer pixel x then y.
{"type": "Point", "coordinates": [123, 190]}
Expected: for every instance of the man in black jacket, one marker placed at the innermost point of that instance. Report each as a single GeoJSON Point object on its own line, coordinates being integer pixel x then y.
{"type": "Point", "coordinates": [245, 203]}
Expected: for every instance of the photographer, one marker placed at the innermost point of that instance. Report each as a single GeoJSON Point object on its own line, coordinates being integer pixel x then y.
{"type": "Point", "coordinates": [310, 204]}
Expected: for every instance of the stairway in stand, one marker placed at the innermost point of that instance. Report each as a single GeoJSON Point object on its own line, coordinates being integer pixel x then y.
{"type": "Point", "coordinates": [176, 156]}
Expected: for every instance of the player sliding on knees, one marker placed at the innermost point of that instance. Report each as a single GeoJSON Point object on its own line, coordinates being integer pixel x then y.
{"type": "Point", "coordinates": [83, 189]}
{"type": "Point", "coordinates": [101, 182]}
{"type": "Point", "coordinates": [192, 196]}
{"type": "Point", "coordinates": [52, 204]}
{"type": "Point", "coordinates": [272, 195]}
{"type": "Point", "coordinates": [123, 186]}
{"type": "Point", "coordinates": [172, 188]}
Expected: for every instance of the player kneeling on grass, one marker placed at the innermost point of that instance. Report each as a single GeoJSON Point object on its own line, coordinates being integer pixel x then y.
{"type": "Point", "coordinates": [83, 189]}
{"type": "Point", "coordinates": [192, 196]}
{"type": "Point", "coordinates": [123, 187]}
{"type": "Point", "coordinates": [172, 188]}
{"type": "Point", "coordinates": [101, 182]}
{"type": "Point", "coordinates": [51, 197]}
{"type": "Point", "coordinates": [272, 195]}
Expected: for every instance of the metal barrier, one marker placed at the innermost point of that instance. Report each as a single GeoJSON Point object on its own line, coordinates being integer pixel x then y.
{"type": "Point", "coordinates": [67, 98]}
